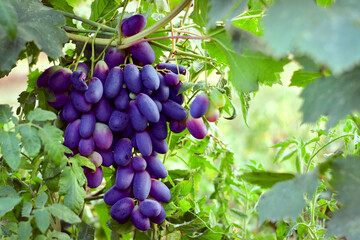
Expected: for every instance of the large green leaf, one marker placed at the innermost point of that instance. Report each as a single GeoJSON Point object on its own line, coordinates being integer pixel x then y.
{"type": "Point", "coordinates": [265, 179]}
{"type": "Point", "coordinates": [7, 204]}
{"type": "Point", "coordinates": [225, 9]}
{"type": "Point", "coordinates": [5, 113]}
{"type": "Point", "coordinates": [41, 115]}
{"type": "Point", "coordinates": [24, 230]}
{"type": "Point", "coordinates": [35, 23]}
{"type": "Point", "coordinates": [329, 35]}
{"type": "Point", "coordinates": [101, 7]}
{"type": "Point", "coordinates": [30, 140]}
{"type": "Point", "coordinates": [10, 148]}
{"type": "Point", "coordinates": [42, 219]}
{"type": "Point", "coordinates": [8, 18]}
{"type": "Point", "coordinates": [61, 5]}
{"type": "Point", "coordinates": [86, 231]}
{"type": "Point", "coordinates": [63, 212]}
{"type": "Point", "coordinates": [41, 199]}
{"type": "Point", "coordinates": [301, 78]}
{"type": "Point", "coordinates": [286, 199]}
{"type": "Point", "coordinates": [335, 97]}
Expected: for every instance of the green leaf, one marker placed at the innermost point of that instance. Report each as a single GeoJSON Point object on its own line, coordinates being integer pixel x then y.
{"type": "Point", "coordinates": [63, 6]}
{"type": "Point", "coordinates": [82, 161]}
{"type": "Point", "coordinates": [100, 7]}
{"type": "Point", "coordinates": [41, 199]}
{"type": "Point", "coordinates": [8, 18]}
{"type": "Point", "coordinates": [73, 193]}
{"type": "Point", "coordinates": [10, 148]}
{"type": "Point", "coordinates": [37, 24]}
{"type": "Point", "coordinates": [26, 210]}
{"type": "Point", "coordinates": [182, 189]}
{"type": "Point", "coordinates": [5, 113]}
{"type": "Point", "coordinates": [200, 12]}
{"type": "Point", "coordinates": [32, 80]}
{"type": "Point", "coordinates": [78, 171]}
{"type": "Point", "coordinates": [120, 228]}
{"type": "Point", "coordinates": [221, 10]}
{"type": "Point", "coordinates": [24, 230]}
{"type": "Point", "coordinates": [86, 231]}
{"type": "Point", "coordinates": [41, 115]}
{"type": "Point", "coordinates": [180, 173]}
{"type": "Point", "coordinates": [335, 97]}
{"type": "Point", "coordinates": [7, 204]}
{"type": "Point", "coordinates": [30, 140]}
{"type": "Point", "coordinates": [102, 211]}
{"type": "Point", "coordinates": [301, 79]}
{"type": "Point", "coordinates": [266, 179]}
{"type": "Point", "coordinates": [58, 235]}
{"type": "Point", "coordinates": [286, 199]}
{"type": "Point", "coordinates": [42, 219]}
{"type": "Point", "coordinates": [8, 191]}
{"type": "Point", "coordinates": [63, 212]}
{"type": "Point", "coordinates": [311, 31]}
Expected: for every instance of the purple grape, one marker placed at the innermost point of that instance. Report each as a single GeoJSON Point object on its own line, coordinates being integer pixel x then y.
{"type": "Point", "coordinates": [143, 143]}
{"type": "Point", "coordinates": [174, 96]}
{"type": "Point", "coordinates": [94, 179]}
{"type": "Point", "coordinates": [199, 106]}
{"type": "Point", "coordinates": [107, 156]}
{"type": "Point", "coordinates": [78, 79]}
{"type": "Point", "coordinates": [113, 195]}
{"type": "Point", "coordinates": [121, 102]}
{"type": "Point", "coordinates": [87, 124]}
{"type": "Point", "coordinates": [162, 93]}
{"type": "Point", "coordinates": [69, 113]}
{"type": "Point", "coordinates": [102, 136]}
{"type": "Point", "coordinates": [174, 110]}
{"type": "Point", "coordinates": [155, 167]}
{"type": "Point", "coordinates": [159, 129]}
{"type": "Point", "coordinates": [196, 127]}
{"type": "Point", "coordinates": [159, 146]}
{"type": "Point", "coordinates": [138, 163]}
{"type": "Point", "coordinates": [124, 177]}
{"type": "Point", "coordinates": [95, 158]}
{"type": "Point", "coordinates": [127, 133]}
{"type": "Point", "coordinates": [177, 126]}
{"type": "Point", "coordinates": [133, 141]}
{"type": "Point", "coordinates": [122, 209]}
{"type": "Point", "coordinates": [114, 57]}
{"type": "Point", "coordinates": [101, 70]}
{"type": "Point", "coordinates": [147, 91]}
{"type": "Point", "coordinates": [102, 110]}
{"type": "Point", "coordinates": [79, 102]}
{"type": "Point", "coordinates": [43, 80]}
{"type": "Point", "coordinates": [161, 217]}
{"type": "Point", "coordinates": [150, 208]}
{"type": "Point", "coordinates": [133, 25]}
{"type": "Point", "coordinates": [141, 185]}
{"type": "Point", "coordinates": [137, 120]}
{"type": "Point", "coordinates": [158, 104]}
{"type": "Point", "coordinates": [172, 67]}
{"type": "Point", "coordinates": [72, 135]}
{"type": "Point", "coordinates": [160, 191]}
{"type": "Point", "coordinates": [95, 90]}
{"type": "Point", "coordinates": [60, 80]}
{"type": "Point", "coordinates": [60, 100]}
{"type": "Point", "coordinates": [86, 146]}
{"type": "Point", "coordinates": [150, 78]}
{"type": "Point", "coordinates": [172, 79]}
{"type": "Point", "coordinates": [113, 83]}
{"type": "Point", "coordinates": [139, 220]}
{"type": "Point", "coordinates": [132, 78]}
{"type": "Point", "coordinates": [82, 67]}
{"type": "Point", "coordinates": [143, 53]}
{"type": "Point", "coordinates": [147, 107]}
{"type": "Point", "coordinates": [118, 121]}
{"type": "Point", "coordinates": [122, 152]}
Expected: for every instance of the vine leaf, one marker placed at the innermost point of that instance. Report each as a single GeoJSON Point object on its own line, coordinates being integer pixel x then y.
{"type": "Point", "coordinates": [32, 14]}
{"type": "Point", "coordinates": [311, 31]}
{"type": "Point", "coordinates": [63, 6]}
{"type": "Point", "coordinates": [100, 7]}
{"type": "Point", "coordinates": [333, 96]}
{"type": "Point", "coordinates": [41, 115]}
{"type": "Point", "coordinates": [10, 148]}
{"type": "Point", "coordinates": [41, 199]}
{"type": "Point", "coordinates": [63, 212]}
{"type": "Point", "coordinates": [30, 140]}
{"type": "Point", "coordinates": [24, 230]}
{"type": "Point", "coordinates": [301, 78]}
{"type": "Point", "coordinates": [286, 199]}
{"type": "Point", "coordinates": [7, 204]}
{"type": "Point", "coordinates": [42, 219]}
{"type": "Point", "coordinates": [200, 12]}
{"type": "Point", "coordinates": [265, 179]}
{"type": "Point", "coordinates": [346, 182]}
{"type": "Point", "coordinates": [86, 231]}
{"type": "Point", "coordinates": [5, 113]}
{"type": "Point", "coordinates": [8, 18]}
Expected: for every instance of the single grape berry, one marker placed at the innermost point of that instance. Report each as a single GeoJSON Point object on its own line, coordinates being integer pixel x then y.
{"type": "Point", "coordinates": [199, 106]}
{"type": "Point", "coordinates": [133, 25]}
{"type": "Point", "coordinates": [196, 127]}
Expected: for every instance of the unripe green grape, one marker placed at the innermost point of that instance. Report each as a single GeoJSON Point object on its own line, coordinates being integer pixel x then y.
{"type": "Point", "coordinates": [217, 98]}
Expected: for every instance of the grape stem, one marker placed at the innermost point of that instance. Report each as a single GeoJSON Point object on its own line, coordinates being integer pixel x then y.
{"type": "Point", "coordinates": [71, 29]}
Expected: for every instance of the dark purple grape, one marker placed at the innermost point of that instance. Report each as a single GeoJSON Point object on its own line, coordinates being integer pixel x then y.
{"type": "Point", "coordinates": [60, 100]}
{"type": "Point", "coordinates": [60, 80]}
{"type": "Point", "coordinates": [158, 104]}
{"type": "Point", "coordinates": [103, 136]}
{"type": "Point", "coordinates": [139, 220]}
{"type": "Point", "coordinates": [78, 79]}
{"type": "Point", "coordinates": [162, 93]}
{"type": "Point", "coordinates": [141, 185]}
{"type": "Point", "coordinates": [72, 135]}
{"type": "Point", "coordinates": [113, 83]}
{"type": "Point", "coordinates": [107, 156]}
{"type": "Point", "coordinates": [143, 52]}
{"type": "Point", "coordinates": [172, 67]}
{"type": "Point", "coordinates": [159, 146]}
{"type": "Point", "coordinates": [94, 179]}
{"type": "Point", "coordinates": [101, 70]}
{"type": "Point", "coordinates": [132, 78]}
{"type": "Point", "coordinates": [114, 57]}
{"type": "Point", "coordinates": [150, 208]}
{"type": "Point", "coordinates": [172, 79]}
{"type": "Point", "coordinates": [147, 107]}
{"type": "Point", "coordinates": [122, 152]}
{"type": "Point", "coordinates": [69, 113]}
{"type": "Point", "coordinates": [133, 141]}
{"type": "Point", "coordinates": [121, 102]}
{"type": "Point", "coordinates": [161, 217]}
{"type": "Point", "coordinates": [102, 110]}
{"type": "Point", "coordinates": [122, 209]}
{"type": "Point", "coordinates": [86, 146]}
{"type": "Point", "coordinates": [143, 143]}
{"type": "Point", "coordinates": [155, 167]}
{"type": "Point", "coordinates": [82, 67]}
{"type": "Point", "coordinates": [87, 124]}
{"type": "Point", "coordinates": [199, 106]}
{"type": "Point", "coordinates": [159, 129]}
{"type": "Point", "coordinates": [196, 127]}
{"type": "Point", "coordinates": [138, 163]}
{"type": "Point", "coordinates": [160, 191]}
{"type": "Point", "coordinates": [79, 102]}
{"type": "Point", "coordinates": [174, 96]}
{"type": "Point", "coordinates": [133, 25]}
{"type": "Point", "coordinates": [95, 158]}
{"type": "Point", "coordinates": [177, 126]}
{"type": "Point", "coordinates": [113, 195]}
{"type": "Point", "coordinates": [128, 132]}
{"type": "Point", "coordinates": [43, 80]}
{"type": "Point", "coordinates": [137, 120]}
{"type": "Point", "coordinates": [174, 110]}
{"type": "Point", "coordinates": [95, 90]}
{"type": "Point", "coordinates": [124, 177]}
{"type": "Point", "coordinates": [150, 78]}
{"type": "Point", "coordinates": [118, 121]}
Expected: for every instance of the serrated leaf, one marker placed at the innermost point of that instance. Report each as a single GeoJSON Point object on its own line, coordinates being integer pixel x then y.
{"type": "Point", "coordinates": [41, 115]}
{"type": "Point", "coordinates": [63, 212]}
{"type": "Point", "coordinates": [265, 179]}
{"type": "Point", "coordinates": [30, 140]}
{"type": "Point", "coordinates": [301, 78]}
{"type": "Point", "coordinates": [311, 31]}
{"type": "Point", "coordinates": [8, 18]}
{"type": "Point", "coordinates": [78, 171]}
{"type": "Point", "coordinates": [179, 173]}
{"type": "Point", "coordinates": [101, 7]}
{"type": "Point", "coordinates": [7, 204]}
{"type": "Point", "coordinates": [63, 6]}
{"type": "Point", "coordinates": [24, 230]}
{"type": "Point", "coordinates": [83, 161]}
{"type": "Point", "coordinates": [26, 210]}
{"type": "Point", "coordinates": [10, 148]}
{"type": "Point", "coordinates": [86, 231]}
{"type": "Point", "coordinates": [32, 79]}
{"type": "Point", "coordinates": [286, 199]}
{"type": "Point", "coordinates": [73, 193]}
{"type": "Point", "coordinates": [5, 113]}
{"type": "Point", "coordinates": [8, 191]}
{"type": "Point", "coordinates": [41, 199]}
{"type": "Point", "coordinates": [58, 235]}
{"type": "Point", "coordinates": [35, 23]}
{"type": "Point", "coordinates": [332, 96]}
{"type": "Point", "coordinates": [42, 219]}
